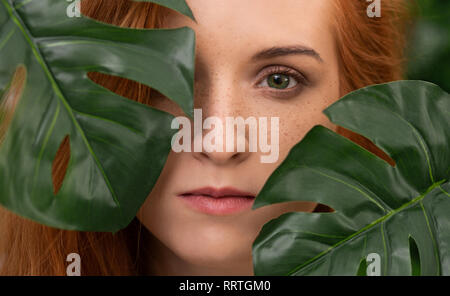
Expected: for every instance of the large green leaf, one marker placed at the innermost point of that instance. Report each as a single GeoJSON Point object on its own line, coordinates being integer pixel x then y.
{"type": "Point", "coordinates": [118, 146]}
{"type": "Point", "coordinates": [391, 211]}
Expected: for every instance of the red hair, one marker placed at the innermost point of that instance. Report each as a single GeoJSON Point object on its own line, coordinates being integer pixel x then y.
{"type": "Point", "coordinates": [370, 51]}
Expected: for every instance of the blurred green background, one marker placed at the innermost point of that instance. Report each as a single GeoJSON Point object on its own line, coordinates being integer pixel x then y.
{"type": "Point", "coordinates": [429, 43]}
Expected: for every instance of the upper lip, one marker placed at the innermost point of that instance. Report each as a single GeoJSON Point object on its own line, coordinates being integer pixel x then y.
{"type": "Point", "coordinates": [218, 192]}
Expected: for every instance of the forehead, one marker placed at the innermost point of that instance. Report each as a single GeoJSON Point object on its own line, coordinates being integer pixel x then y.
{"type": "Point", "coordinates": [259, 22]}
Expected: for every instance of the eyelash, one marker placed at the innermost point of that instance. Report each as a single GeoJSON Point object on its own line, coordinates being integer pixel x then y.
{"type": "Point", "coordinates": [300, 78]}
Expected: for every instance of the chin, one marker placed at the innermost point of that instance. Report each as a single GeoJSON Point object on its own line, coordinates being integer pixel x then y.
{"type": "Point", "coordinates": [212, 246]}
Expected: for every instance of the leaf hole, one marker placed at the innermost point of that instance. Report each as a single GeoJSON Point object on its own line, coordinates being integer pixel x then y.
{"type": "Point", "coordinates": [415, 257]}
{"type": "Point", "coordinates": [125, 13]}
{"type": "Point", "coordinates": [321, 208]}
{"type": "Point", "coordinates": [60, 164]}
{"type": "Point", "coordinates": [365, 143]}
{"type": "Point", "coordinates": [127, 88]}
{"type": "Point", "coordinates": [135, 91]}
{"type": "Point", "coordinates": [10, 99]}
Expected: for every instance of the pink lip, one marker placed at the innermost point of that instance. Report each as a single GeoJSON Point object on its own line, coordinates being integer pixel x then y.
{"type": "Point", "coordinates": [223, 201]}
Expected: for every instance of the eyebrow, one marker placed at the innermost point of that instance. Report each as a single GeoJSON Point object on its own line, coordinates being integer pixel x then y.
{"type": "Point", "coordinates": [287, 50]}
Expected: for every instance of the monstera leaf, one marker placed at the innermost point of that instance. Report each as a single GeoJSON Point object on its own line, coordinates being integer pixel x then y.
{"type": "Point", "coordinates": [396, 214]}
{"type": "Point", "coordinates": [118, 147]}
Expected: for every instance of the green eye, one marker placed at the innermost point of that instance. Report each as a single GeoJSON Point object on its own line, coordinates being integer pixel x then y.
{"type": "Point", "coordinates": [281, 81]}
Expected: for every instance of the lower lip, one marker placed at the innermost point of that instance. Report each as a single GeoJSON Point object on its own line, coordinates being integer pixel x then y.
{"type": "Point", "coordinates": [218, 205]}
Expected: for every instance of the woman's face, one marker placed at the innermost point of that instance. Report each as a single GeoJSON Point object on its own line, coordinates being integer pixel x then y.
{"type": "Point", "coordinates": [254, 58]}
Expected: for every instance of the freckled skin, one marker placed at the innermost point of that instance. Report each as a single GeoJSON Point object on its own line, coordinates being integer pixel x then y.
{"type": "Point", "coordinates": [229, 33]}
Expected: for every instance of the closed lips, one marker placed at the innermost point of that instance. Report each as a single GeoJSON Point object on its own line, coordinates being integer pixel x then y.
{"type": "Point", "coordinates": [224, 201]}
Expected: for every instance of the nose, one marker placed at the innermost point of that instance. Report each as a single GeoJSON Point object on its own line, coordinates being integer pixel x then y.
{"type": "Point", "coordinates": [222, 145]}
{"type": "Point", "coordinates": [222, 158]}
{"type": "Point", "coordinates": [217, 98]}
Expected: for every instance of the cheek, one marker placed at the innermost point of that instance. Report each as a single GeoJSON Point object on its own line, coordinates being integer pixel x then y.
{"type": "Point", "coordinates": [155, 208]}
{"type": "Point", "coordinates": [304, 115]}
